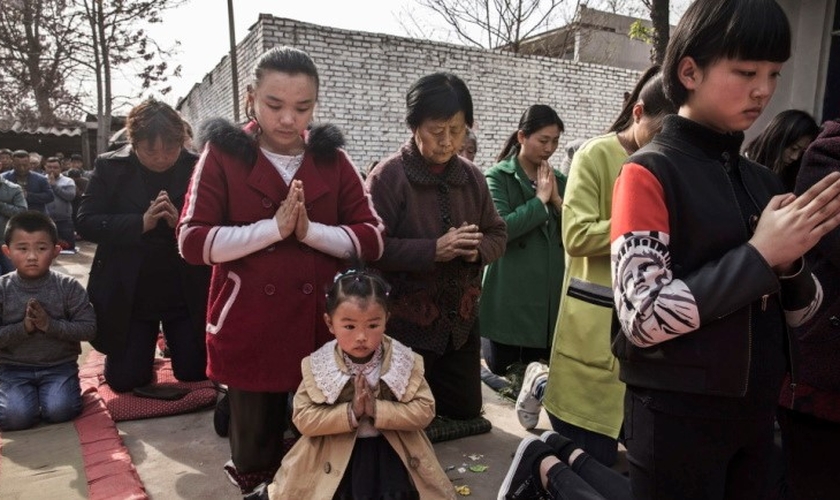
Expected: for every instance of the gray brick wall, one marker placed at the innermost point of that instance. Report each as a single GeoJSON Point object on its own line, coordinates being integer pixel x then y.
{"type": "Point", "coordinates": [364, 77]}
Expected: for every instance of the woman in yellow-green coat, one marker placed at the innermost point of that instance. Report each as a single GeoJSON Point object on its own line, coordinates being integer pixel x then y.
{"type": "Point", "coordinates": [521, 290]}
{"type": "Point", "coordinates": [584, 397]}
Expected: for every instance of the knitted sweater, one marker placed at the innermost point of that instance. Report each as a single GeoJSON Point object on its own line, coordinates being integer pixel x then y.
{"type": "Point", "coordinates": [72, 320]}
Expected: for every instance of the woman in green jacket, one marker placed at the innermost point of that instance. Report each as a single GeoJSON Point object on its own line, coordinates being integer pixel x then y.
{"type": "Point", "coordinates": [521, 290]}
{"type": "Point", "coordinates": [584, 397]}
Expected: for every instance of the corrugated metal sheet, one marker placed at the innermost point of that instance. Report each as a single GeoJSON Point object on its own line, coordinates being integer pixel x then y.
{"type": "Point", "coordinates": [65, 131]}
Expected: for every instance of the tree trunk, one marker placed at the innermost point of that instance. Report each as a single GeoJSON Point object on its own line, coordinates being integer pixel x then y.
{"type": "Point", "coordinates": [33, 63]}
{"type": "Point", "coordinates": [659, 12]}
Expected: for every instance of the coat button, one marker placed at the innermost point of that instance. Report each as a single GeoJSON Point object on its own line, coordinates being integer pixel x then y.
{"type": "Point", "coordinates": [266, 203]}
{"type": "Point", "coordinates": [308, 288]}
{"type": "Point", "coordinates": [269, 289]}
{"type": "Point", "coordinates": [327, 467]}
{"type": "Point", "coordinates": [414, 462]}
{"type": "Point", "coordinates": [835, 321]}
{"type": "Point", "coordinates": [453, 313]}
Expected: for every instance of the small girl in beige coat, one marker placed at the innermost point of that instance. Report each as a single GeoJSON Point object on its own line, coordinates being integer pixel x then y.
{"type": "Point", "coordinates": [362, 408]}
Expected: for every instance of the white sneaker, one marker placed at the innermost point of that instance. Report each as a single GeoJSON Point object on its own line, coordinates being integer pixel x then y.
{"type": "Point", "coordinates": [527, 405]}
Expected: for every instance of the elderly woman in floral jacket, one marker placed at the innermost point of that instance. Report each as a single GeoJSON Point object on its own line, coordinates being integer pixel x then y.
{"type": "Point", "coordinates": [441, 228]}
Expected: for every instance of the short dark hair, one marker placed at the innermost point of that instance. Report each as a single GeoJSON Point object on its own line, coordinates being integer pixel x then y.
{"type": "Point", "coordinates": [153, 119]}
{"type": "Point", "coordinates": [6, 151]}
{"type": "Point", "coordinates": [534, 118]}
{"type": "Point", "coordinates": [31, 221]}
{"type": "Point", "coordinates": [710, 30]}
{"type": "Point", "coordinates": [282, 59]}
{"type": "Point", "coordinates": [437, 96]}
{"type": "Point", "coordinates": [76, 157]}
{"type": "Point", "coordinates": [52, 159]}
{"type": "Point", "coordinates": [20, 153]}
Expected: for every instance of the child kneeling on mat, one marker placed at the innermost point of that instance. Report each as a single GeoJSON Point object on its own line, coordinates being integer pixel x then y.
{"type": "Point", "coordinates": [362, 408]}
{"type": "Point", "coordinates": [45, 315]}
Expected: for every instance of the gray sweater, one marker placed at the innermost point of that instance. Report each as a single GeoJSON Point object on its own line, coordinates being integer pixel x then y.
{"type": "Point", "coordinates": [72, 320]}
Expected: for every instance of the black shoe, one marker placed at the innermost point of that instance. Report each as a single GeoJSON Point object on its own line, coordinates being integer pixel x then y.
{"type": "Point", "coordinates": [258, 493]}
{"type": "Point", "coordinates": [221, 417]}
{"type": "Point", "coordinates": [520, 483]}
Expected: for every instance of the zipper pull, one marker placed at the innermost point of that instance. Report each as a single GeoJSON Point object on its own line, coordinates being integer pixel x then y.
{"type": "Point", "coordinates": [764, 302]}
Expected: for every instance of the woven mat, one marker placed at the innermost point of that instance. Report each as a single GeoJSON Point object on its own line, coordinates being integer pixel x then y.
{"type": "Point", "coordinates": [127, 406]}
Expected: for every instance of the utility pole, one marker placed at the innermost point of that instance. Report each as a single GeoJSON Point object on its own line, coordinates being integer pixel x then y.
{"type": "Point", "coordinates": [234, 73]}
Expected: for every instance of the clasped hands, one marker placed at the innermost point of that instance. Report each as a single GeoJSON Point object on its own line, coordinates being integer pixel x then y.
{"type": "Point", "coordinates": [363, 399]}
{"type": "Point", "coordinates": [291, 217]}
{"type": "Point", "coordinates": [160, 208]}
{"type": "Point", "coordinates": [35, 318]}
{"type": "Point", "coordinates": [459, 242]}
{"type": "Point", "coordinates": [791, 225]}
{"type": "Point", "coordinates": [547, 186]}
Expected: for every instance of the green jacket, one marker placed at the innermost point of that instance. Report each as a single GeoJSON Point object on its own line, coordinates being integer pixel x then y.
{"type": "Point", "coordinates": [521, 290]}
{"type": "Point", "coordinates": [583, 387]}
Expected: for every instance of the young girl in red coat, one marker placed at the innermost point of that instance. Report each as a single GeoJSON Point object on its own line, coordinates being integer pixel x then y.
{"type": "Point", "coordinates": [362, 408]}
{"type": "Point", "coordinates": [274, 209]}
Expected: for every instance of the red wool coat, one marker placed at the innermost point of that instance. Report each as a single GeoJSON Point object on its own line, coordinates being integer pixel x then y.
{"type": "Point", "coordinates": [265, 310]}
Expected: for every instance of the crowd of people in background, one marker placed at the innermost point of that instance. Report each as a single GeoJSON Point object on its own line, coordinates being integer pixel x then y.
{"type": "Point", "coordinates": [53, 185]}
{"type": "Point", "coordinates": [640, 279]}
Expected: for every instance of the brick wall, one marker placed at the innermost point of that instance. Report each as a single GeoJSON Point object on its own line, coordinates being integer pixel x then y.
{"type": "Point", "coordinates": [364, 77]}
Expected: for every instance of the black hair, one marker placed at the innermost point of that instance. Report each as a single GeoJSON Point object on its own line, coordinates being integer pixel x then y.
{"type": "Point", "coordinates": [357, 283]}
{"type": "Point", "coordinates": [5, 151]}
{"type": "Point", "coordinates": [76, 156]}
{"type": "Point", "coordinates": [650, 91]}
{"type": "Point", "coordinates": [536, 117]}
{"type": "Point", "coordinates": [153, 119]}
{"type": "Point", "coordinates": [31, 221]}
{"type": "Point", "coordinates": [20, 153]}
{"type": "Point", "coordinates": [783, 130]}
{"type": "Point", "coordinates": [710, 30]}
{"type": "Point", "coordinates": [283, 59]}
{"type": "Point", "coordinates": [438, 96]}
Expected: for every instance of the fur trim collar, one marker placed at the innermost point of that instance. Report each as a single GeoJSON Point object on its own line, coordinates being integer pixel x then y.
{"type": "Point", "coordinates": [322, 141]}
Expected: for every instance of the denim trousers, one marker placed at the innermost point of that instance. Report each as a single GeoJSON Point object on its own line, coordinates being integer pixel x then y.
{"type": "Point", "coordinates": [30, 393]}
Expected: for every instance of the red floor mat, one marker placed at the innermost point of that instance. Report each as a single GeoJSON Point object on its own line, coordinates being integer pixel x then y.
{"type": "Point", "coordinates": [108, 467]}
{"type": "Point", "coordinates": [127, 406]}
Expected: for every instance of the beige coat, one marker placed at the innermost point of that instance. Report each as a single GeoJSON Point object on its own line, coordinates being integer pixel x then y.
{"type": "Point", "coordinates": [313, 468]}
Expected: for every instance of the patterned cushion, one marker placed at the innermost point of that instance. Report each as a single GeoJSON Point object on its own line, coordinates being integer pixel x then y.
{"type": "Point", "coordinates": [128, 406]}
{"type": "Point", "coordinates": [445, 429]}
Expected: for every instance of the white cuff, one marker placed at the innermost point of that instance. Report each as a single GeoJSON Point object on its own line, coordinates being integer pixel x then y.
{"type": "Point", "coordinates": [234, 242]}
{"type": "Point", "coordinates": [332, 240]}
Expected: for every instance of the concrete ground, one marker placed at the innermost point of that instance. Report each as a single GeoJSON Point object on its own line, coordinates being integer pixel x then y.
{"type": "Point", "coordinates": [181, 457]}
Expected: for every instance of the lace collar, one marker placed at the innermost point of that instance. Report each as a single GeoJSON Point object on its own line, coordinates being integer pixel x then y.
{"type": "Point", "coordinates": [331, 374]}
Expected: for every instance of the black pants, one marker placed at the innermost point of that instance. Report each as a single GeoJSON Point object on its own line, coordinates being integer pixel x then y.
{"type": "Point", "coordinates": [695, 458]}
{"type": "Point", "coordinates": [455, 378]}
{"type": "Point", "coordinates": [133, 367]}
{"type": "Point", "coordinates": [257, 424]}
{"type": "Point", "coordinates": [587, 479]}
{"type": "Point", "coordinates": [808, 443]}
{"type": "Point", "coordinates": [499, 356]}
{"type": "Point", "coordinates": [598, 446]}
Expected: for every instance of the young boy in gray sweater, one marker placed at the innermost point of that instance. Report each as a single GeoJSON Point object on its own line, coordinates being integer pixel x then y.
{"type": "Point", "coordinates": [44, 315]}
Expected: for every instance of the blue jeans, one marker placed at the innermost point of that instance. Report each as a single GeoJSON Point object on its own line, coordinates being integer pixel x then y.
{"type": "Point", "coordinates": [28, 393]}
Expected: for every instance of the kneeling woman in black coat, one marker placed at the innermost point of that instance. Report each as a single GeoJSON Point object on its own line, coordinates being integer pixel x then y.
{"type": "Point", "coordinates": [138, 283]}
